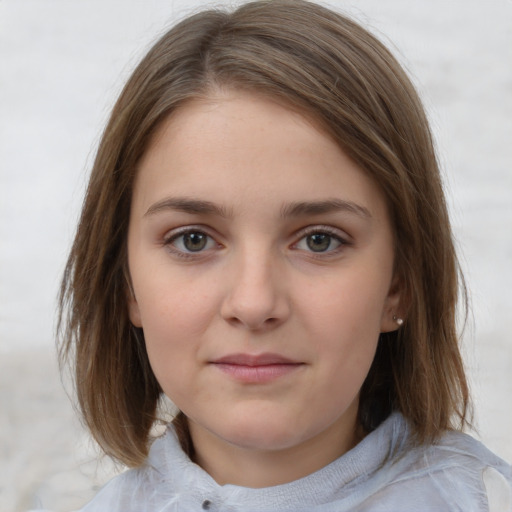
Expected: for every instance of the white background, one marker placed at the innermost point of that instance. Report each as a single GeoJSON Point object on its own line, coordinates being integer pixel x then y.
{"type": "Point", "coordinates": [62, 62]}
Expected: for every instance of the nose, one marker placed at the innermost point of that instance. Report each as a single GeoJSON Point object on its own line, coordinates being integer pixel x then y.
{"type": "Point", "coordinates": [256, 298]}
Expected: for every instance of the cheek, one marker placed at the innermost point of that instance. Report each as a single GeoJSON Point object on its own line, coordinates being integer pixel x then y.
{"type": "Point", "coordinates": [174, 319]}
{"type": "Point", "coordinates": [172, 302]}
{"type": "Point", "coordinates": [350, 305]}
{"type": "Point", "coordinates": [170, 335]}
{"type": "Point", "coordinates": [343, 321]}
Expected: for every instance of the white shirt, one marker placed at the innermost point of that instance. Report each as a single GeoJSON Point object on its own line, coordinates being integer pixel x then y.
{"type": "Point", "coordinates": [383, 473]}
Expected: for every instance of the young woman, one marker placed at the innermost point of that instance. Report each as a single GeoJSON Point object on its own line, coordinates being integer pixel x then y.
{"type": "Point", "coordinates": [265, 242]}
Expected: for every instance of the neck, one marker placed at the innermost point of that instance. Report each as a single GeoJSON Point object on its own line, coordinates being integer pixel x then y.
{"type": "Point", "coordinates": [227, 463]}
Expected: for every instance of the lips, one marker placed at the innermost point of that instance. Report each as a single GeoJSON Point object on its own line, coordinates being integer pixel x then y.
{"type": "Point", "coordinates": [260, 368]}
{"type": "Point", "coordinates": [254, 360]}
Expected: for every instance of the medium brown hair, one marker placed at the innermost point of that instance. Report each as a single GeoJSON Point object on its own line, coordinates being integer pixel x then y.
{"type": "Point", "coordinates": [333, 70]}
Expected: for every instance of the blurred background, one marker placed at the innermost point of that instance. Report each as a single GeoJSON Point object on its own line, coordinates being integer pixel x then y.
{"type": "Point", "coordinates": [62, 63]}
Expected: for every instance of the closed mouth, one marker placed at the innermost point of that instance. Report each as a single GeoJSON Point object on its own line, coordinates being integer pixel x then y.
{"type": "Point", "coordinates": [265, 359]}
{"type": "Point", "coordinates": [256, 369]}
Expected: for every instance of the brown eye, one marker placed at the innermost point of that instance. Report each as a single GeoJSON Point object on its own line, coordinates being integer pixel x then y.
{"type": "Point", "coordinates": [195, 241]}
{"type": "Point", "coordinates": [191, 241]}
{"type": "Point", "coordinates": [319, 242]}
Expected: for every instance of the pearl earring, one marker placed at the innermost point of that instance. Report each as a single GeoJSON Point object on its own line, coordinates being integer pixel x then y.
{"type": "Point", "coordinates": [399, 321]}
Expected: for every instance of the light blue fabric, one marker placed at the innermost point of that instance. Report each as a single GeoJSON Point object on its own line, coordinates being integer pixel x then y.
{"type": "Point", "coordinates": [381, 474]}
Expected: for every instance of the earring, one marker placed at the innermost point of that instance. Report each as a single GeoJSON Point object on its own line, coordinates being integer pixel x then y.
{"type": "Point", "coordinates": [399, 321]}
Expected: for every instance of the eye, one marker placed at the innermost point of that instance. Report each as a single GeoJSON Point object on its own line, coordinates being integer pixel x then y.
{"type": "Point", "coordinates": [320, 242]}
{"type": "Point", "coordinates": [190, 241]}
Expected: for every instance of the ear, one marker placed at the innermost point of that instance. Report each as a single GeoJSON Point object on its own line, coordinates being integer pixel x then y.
{"type": "Point", "coordinates": [392, 310]}
{"type": "Point", "coordinates": [134, 312]}
{"type": "Point", "coordinates": [133, 307]}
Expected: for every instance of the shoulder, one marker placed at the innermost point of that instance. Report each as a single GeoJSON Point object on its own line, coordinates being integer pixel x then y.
{"type": "Point", "coordinates": [478, 466]}
{"type": "Point", "coordinates": [122, 493]}
{"type": "Point", "coordinates": [457, 450]}
{"type": "Point", "coordinates": [456, 473]}
{"type": "Point", "coordinates": [138, 488]}
{"type": "Point", "coordinates": [167, 478]}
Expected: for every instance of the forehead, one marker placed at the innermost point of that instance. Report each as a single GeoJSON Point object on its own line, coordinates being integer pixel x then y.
{"type": "Point", "coordinates": [241, 147]}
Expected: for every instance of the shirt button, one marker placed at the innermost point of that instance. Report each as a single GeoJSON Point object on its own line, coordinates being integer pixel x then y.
{"type": "Point", "coordinates": [206, 505]}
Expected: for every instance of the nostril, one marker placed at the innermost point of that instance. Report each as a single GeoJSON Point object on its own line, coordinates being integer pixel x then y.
{"type": "Point", "coordinates": [253, 324]}
{"type": "Point", "coordinates": [254, 306]}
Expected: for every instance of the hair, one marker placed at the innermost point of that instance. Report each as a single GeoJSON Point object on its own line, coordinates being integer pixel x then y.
{"type": "Point", "coordinates": [330, 69]}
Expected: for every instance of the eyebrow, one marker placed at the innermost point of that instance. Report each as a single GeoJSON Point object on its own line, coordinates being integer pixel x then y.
{"type": "Point", "coordinates": [304, 208]}
{"type": "Point", "coordinates": [296, 209]}
{"type": "Point", "coordinates": [187, 205]}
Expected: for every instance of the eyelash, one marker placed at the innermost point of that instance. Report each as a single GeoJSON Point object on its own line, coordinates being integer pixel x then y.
{"type": "Point", "coordinates": [333, 234]}
{"type": "Point", "coordinates": [189, 230]}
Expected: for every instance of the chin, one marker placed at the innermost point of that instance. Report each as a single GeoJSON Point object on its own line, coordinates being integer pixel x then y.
{"type": "Point", "coordinates": [262, 434]}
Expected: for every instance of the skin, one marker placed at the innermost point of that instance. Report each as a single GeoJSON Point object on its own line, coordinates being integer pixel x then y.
{"type": "Point", "coordinates": [288, 250]}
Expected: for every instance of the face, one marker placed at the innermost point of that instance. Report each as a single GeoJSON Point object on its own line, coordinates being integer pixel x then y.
{"type": "Point", "coordinates": [261, 260]}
